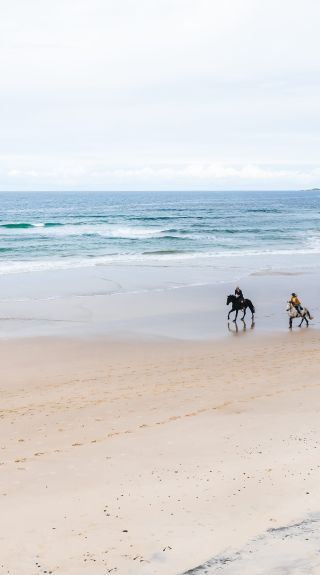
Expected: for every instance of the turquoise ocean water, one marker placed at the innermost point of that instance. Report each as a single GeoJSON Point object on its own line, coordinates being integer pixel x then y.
{"type": "Point", "coordinates": [157, 264]}
{"type": "Point", "coordinates": [40, 231]}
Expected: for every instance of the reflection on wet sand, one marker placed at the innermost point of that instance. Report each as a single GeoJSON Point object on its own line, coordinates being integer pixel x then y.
{"type": "Point", "coordinates": [234, 328]}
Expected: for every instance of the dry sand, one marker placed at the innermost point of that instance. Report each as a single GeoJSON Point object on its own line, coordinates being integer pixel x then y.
{"type": "Point", "coordinates": [153, 458]}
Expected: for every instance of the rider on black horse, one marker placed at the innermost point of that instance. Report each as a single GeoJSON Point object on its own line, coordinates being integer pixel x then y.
{"type": "Point", "coordinates": [239, 303]}
{"type": "Point", "coordinates": [239, 295]}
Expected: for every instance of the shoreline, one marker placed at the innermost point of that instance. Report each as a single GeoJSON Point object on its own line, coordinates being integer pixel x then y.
{"type": "Point", "coordinates": [154, 457]}
{"type": "Point", "coordinates": [123, 303]}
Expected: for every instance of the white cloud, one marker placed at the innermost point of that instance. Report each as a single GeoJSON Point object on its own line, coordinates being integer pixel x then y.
{"type": "Point", "coordinates": [96, 174]}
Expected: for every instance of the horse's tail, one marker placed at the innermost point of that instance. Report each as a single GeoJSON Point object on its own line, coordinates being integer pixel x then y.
{"type": "Point", "coordinates": [309, 315]}
{"type": "Point", "coordinates": [251, 306]}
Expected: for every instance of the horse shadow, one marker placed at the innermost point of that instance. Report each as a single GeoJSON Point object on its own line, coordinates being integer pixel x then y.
{"type": "Point", "coordinates": [234, 328]}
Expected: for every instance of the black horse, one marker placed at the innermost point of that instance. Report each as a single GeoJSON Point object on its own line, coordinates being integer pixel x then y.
{"type": "Point", "coordinates": [237, 305]}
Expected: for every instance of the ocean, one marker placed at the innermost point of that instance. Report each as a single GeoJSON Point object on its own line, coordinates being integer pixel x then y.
{"type": "Point", "coordinates": [45, 231]}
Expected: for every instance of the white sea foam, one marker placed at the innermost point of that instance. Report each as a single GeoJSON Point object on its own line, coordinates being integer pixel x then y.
{"type": "Point", "coordinates": [102, 230]}
{"type": "Point", "coordinates": [152, 258]}
{"type": "Point", "coordinates": [129, 232]}
{"type": "Point", "coordinates": [313, 242]}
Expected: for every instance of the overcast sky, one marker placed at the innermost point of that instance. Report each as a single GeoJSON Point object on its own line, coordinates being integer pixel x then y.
{"type": "Point", "coordinates": [159, 94]}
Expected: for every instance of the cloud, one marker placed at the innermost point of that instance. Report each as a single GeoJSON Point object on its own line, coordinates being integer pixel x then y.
{"type": "Point", "coordinates": [95, 174]}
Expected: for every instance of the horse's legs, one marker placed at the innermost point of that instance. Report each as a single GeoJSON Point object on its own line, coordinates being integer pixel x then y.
{"type": "Point", "coordinates": [244, 312]}
{"type": "Point", "coordinates": [304, 318]}
{"type": "Point", "coordinates": [290, 323]}
{"type": "Point", "coordinates": [232, 309]}
{"type": "Point", "coordinates": [235, 319]}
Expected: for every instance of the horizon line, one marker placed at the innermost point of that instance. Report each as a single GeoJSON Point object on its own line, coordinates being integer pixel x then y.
{"type": "Point", "coordinates": [109, 191]}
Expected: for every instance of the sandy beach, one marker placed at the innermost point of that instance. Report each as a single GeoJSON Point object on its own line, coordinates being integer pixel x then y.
{"type": "Point", "coordinates": [157, 457]}
{"type": "Point", "coordinates": [159, 171]}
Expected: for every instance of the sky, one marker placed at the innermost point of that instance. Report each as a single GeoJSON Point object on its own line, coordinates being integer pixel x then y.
{"type": "Point", "coordinates": [159, 94]}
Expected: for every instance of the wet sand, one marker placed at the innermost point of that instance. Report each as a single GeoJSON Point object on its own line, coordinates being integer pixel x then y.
{"type": "Point", "coordinates": [147, 303]}
{"type": "Point", "coordinates": [157, 457]}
